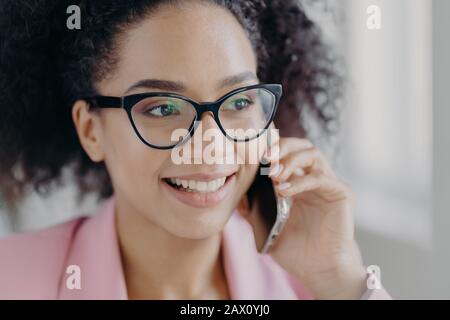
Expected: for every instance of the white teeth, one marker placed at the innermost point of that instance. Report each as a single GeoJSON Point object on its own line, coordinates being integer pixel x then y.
{"type": "Point", "coordinates": [211, 185]}
{"type": "Point", "coordinates": [199, 186]}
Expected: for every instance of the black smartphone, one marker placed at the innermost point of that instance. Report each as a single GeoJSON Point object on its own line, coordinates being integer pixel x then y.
{"type": "Point", "coordinates": [269, 212]}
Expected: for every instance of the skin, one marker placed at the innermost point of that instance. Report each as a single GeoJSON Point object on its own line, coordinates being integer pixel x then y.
{"type": "Point", "coordinates": [171, 250]}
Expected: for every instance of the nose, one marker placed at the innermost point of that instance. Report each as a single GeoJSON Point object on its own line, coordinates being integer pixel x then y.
{"type": "Point", "coordinates": [209, 141]}
{"type": "Point", "coordinates": [208, 121]}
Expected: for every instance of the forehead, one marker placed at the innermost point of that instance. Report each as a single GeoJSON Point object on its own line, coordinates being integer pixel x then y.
{"type": "Point", "coordinates": [197, 44]}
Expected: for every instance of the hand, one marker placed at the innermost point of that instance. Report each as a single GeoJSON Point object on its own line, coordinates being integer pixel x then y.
{"type": "Point", "coordinates": [317, 243]}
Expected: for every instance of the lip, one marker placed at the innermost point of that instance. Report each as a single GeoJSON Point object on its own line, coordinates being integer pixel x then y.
{"type": "Point", "coordinates": [204, 199]}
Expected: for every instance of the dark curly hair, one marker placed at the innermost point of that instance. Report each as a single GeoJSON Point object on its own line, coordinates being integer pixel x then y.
{"type": "Point", "coordinates": [45, 68]}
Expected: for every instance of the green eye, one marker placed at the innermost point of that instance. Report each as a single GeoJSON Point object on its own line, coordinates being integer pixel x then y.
{"type": "Point", "coordinates": [239, 104]}
{"type": "Point", "coordinates": [164, 110]}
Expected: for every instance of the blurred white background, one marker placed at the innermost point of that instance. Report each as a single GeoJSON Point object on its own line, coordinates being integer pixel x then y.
{"type": "Point", "coordinates": [394, 144]}
{"type": "Point", "coordinates": [394, 139]}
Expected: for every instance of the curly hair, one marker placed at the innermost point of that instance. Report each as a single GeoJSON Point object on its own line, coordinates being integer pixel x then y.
{"type": "Point", "coordinates": [45, 68]}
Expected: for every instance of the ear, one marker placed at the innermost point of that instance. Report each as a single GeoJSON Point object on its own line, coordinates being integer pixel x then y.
{"type": "Point", "coordinates": [89, 130]}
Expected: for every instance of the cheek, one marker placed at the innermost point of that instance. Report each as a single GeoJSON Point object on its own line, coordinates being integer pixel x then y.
{"type": "Point", "coordinates": [251, 153]}
{"type": "Point", "coordinates": [249, 172]}
{"type": "Point", "coordinates": [133, 166]}
{"type": "Point", "coordinates": [136, 169]}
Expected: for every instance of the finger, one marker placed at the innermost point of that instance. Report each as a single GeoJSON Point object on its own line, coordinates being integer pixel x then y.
{"type": "Point", "coordinates": [307, 160]}
{"type": "Point", "coordinates": [328, 188]}
{"type": "Point", "coordinates": [275, 169]}
{"type": "Point", "coordinates": [285, 147]}
{"type": "Point", "coordinates": [278, 169]}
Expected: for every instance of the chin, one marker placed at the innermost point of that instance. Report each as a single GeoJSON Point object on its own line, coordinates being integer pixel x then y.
{"type": "Point", "coordinates": [199, 225]}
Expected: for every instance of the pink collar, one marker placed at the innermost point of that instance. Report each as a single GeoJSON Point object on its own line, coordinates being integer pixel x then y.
{"type": "Point", "coordinates": [94, 248]}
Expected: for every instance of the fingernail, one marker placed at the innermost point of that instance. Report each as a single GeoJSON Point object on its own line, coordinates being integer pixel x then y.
{"type": "Point", "coordinates": [276, 171]}
{"type": "Point", "coordinates": [272, 171]}
{"type": "Point", "coordinates": [284, 186]}
{"type": "Point", "coordinates": [299, 172]}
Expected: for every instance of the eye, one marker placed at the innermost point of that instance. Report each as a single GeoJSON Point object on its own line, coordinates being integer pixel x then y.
{"type": "Point", "coordinates": [163, 110]}
{"type": "Point", "coordinates": [239, 104]}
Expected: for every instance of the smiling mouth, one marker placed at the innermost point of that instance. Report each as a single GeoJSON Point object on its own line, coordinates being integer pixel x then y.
{"type": "Point", "coordinates": [198, 186]}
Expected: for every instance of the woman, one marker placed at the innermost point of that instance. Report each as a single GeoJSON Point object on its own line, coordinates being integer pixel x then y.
{"type": "Point", "coordinates": [170, 231]}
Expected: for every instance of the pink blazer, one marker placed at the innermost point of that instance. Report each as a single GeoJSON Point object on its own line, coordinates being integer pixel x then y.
{"type": "Point", "coordinates": [34, 265]}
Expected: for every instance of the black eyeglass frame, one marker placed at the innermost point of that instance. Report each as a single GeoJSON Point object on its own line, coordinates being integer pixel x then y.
{"type": "Point", "coordinates": [127, 103]}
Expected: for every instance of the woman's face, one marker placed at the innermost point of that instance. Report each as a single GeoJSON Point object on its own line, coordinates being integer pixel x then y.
{"type": "Point", "coordinates": [198, 46]}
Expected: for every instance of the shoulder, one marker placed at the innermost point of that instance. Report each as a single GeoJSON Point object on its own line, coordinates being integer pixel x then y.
{"type": "Point", "coordinates": [31, 263]}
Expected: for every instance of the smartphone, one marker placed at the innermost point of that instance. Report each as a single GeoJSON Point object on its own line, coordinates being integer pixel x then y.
{"type": "Point", "coordinates": [269, 212]}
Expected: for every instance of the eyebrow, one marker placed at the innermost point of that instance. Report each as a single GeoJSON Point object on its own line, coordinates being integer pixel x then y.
{"type": "Point", "coordinates": [176, 86]}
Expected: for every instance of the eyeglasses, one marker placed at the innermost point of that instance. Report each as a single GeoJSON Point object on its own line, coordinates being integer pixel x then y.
{"type": "Point", "coordinates": [242, 114]}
